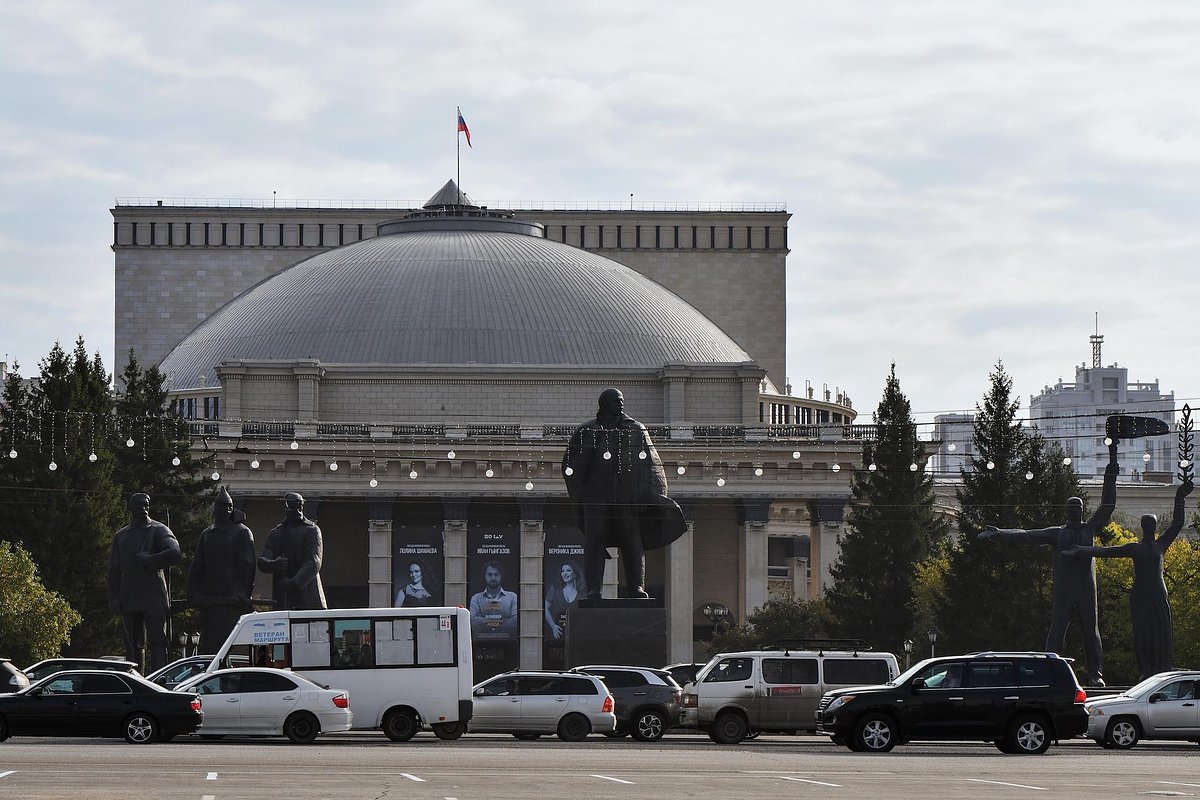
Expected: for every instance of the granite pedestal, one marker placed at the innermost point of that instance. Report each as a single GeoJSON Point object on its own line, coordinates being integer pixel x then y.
{"type": "Point", "coordinates": [623, 631]}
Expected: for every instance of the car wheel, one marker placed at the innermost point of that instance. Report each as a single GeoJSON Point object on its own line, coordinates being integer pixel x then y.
{"type": "Point", "coordinates": [874, 733]}
{"type": "Point", "coordinates": [449, 731]}
{"type": "Point", "coordinates": [649, 726]}
{"type": "Point", "coordinates": [1028, 736]}
{"type": "Point", "coordinates": [574, 728]}
{"type": "Point", "coordinates": [400, 725]}
{"type": "Point", "coordinates": [3, 729]}
{"type": "Point", "coordinates": [1123, 733]}
{"type": "Point", "coordinates": [729, 728]}
{"type": "Point", "coordinates": [301, 728]}
{"type": "Point", "coordinates": [140, 728]}
{"type": "Point", "coordinates": [527, 737]}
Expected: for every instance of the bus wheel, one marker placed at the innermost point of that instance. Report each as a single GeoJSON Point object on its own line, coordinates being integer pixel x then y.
{"type": "Point", "coordinates": [448, 731]}
{"type": "Point", "coordinates": [400, 725]}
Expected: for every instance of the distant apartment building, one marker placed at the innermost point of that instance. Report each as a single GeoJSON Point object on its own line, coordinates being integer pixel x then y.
{"type": "Point", "coordinates": [1073, 414]}
{"type": "Point", "coordinates": [954, 436]}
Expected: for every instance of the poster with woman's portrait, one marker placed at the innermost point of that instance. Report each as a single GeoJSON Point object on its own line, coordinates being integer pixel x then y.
{"type": "Point", "coordinates": [493, 565]}
{"type": "Point", "coordinates": [562, 587]}
{"type": "Point", "coordinates": [417, 568]}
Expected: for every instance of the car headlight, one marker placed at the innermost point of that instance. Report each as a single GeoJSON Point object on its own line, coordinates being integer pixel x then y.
{"type": "Point", "coordinates": [838, 702]}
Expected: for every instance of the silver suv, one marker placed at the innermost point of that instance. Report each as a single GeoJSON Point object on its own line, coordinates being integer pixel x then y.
{"type": "Point", "coordinates": [531, 704]}
{"type": "Point", "coordinates": [1164, 706]}
{"type": "Point", "coordinates": [647, 699]}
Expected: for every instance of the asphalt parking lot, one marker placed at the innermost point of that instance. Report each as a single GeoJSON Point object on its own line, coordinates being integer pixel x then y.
{"type": "Point", "coordinates": [364, 765]}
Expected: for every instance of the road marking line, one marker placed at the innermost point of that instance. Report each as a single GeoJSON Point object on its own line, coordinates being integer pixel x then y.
{"type": "Point", "coordinates": [1168, 783]}
{"type": "Point", "coordinates": [212, 776]}
{"type": "Point", "coordinates": [208, 797]}
{"type": "Point", "coordinates": [6, 774]}
{"type": "Point", "coordinates": [614, 780]}
{"type": "Point", "coordinates": [805, 780]}
{"type": "Point", "coordinates": [1002, 783]}
{"type": "Point", "coordinates": [413, 777]}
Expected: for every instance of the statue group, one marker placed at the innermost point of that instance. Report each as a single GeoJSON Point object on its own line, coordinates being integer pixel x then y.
{"type": "Point", "coordinates": [1073, 548]}
{"type": "Point", "coordinates": [220, 583]}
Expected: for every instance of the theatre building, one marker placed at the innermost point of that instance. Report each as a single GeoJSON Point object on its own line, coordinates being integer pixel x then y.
{"type": "Point", "coordinates": [416, 375]}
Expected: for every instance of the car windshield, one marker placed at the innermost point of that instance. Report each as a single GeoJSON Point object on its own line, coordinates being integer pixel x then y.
{"type": "Point", "coordinates": [1145, 686]}
{"type": "Point", "coordinates": [906, 676]}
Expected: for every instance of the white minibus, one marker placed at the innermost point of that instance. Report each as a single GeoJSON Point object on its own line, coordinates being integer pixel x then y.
{"type": "Point", "coordinates": [405, 668]}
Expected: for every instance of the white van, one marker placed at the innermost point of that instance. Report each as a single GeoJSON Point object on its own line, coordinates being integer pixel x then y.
{"type": "Point", "coordinates": [736, 695]}
{"type": "Point", "coordinates": [404, 667]}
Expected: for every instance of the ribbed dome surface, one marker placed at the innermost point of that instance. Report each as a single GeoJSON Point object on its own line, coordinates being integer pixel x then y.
{"type": "Point", "coordinates": [454, 296]}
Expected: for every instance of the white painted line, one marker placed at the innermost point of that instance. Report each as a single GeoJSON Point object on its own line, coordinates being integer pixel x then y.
{"type": "Point", "coordinates": [6, 774]}
{"type": "Point", "coordinates": [805, 780]}
{"type": "Point", "coordinates": [208, 797]}
{"type": "Point", "coordinates": [1168, 783]}
{"type": "Point", "coordinates": [412, 777]}
{"type": "Point", "coordinates": [212, 776]}
{"type": "Point", "coordinates": [614, 780]}
{"type": "Point", "coordinates": [1002, 783]}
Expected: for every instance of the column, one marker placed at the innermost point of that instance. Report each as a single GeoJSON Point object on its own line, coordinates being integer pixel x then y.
{"type": "Point", "coordinates": [827, 517]}
{"type": "Point", "coordinates": [231, 376]}
{"type": "Point", "coordinates": [752, 515]}
{"type": "Point", "coordinates": [308, 389]}
{"type": "Point", "coordinates": [454, 549]}
{"type": "Point", "coordinates": [680, 597]}
{"type": "Point", "coordinates": [379, 553]}
{"type": "Point", "coordinates": [533, 540]}
{"type": "Point", "coordinates": [674, 380]}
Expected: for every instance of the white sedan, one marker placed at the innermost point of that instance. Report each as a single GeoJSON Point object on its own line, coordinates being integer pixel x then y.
{"type": "Point", "coordinates": [260, 701]}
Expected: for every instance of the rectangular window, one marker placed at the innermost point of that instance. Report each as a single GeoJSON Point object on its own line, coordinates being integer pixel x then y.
{"type": "Point", "coordinates": [694, 229]}
{"type": "Point", "coordinates": [310, 643]}
{"type": "Point", "coordinates": [789, 670]}
{"type": "Point", "coordinates": [360, 231]}
{"type": "Point", "coordinates": [395, 643]}
{"type": "Point", "coordinates": [281, 234]}
{"type": "Point", "coordinates": [208, 408]}
{"type": "Point", "coordinates": [619, 244]}
{"type": "Point", "coordinates": [657, 236]}
{"type": "Point", "coordinates": [1033, 673]}
{"type": "Point", "coordinates": [581, 239]}
{"type": "Point", "coordinates": [320, 234]}
{"type": "Point", "coordinates": [760, 412]}
{"type": "Point", "coordinates": [241, 234]}
{"type": "Point", "coordinates": [712, 237]}
{"type": "Point", "coordinates": [206, 234]}
{"type": "Point", "coordinates": [729, 243]}
{"type": "Point", "coordinates": [170, 233]}
{"type": "Point", "coordinates": [749, 239]}
{"type": "Point", "coordinates": [224, 234]}
{"type": "Point", "coordinates": [675, 243]}
{"type": "Point", "coordinates": [349, 637]}
{"type": "Point", "coordinates": [767, 237]}
{"type": "Point", "coordinates": [216, 408]}
{"type": "Point", "coordinates": [261, 227]}
{"type": "Point", "coordinates": [435, 645]}
{"type": "Point", "coordinates": [991, 673]}
{"type": "Point", "coordinates": [300, 234]}
{"type": "Point", "coordinates": [856, 671]}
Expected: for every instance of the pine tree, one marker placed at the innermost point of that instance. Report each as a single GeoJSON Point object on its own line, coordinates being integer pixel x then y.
{"type": "Point", "coordinates": [998, 593]}
{"type": "Point", "coordinates": [892, 526]}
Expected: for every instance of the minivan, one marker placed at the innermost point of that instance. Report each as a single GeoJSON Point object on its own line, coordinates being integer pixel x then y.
{"type": "Point", "coordinates": [738, 695]}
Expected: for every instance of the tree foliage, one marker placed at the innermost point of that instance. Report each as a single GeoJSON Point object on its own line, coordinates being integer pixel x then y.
{"type": "Point", "coordinates": [997, 594]}
{"type": "Point", "coordinates": [34, 622]}
{"type": "Point", "coordinates": [772, 622]}
{"type": "Point", "coordinates": [893, 525]}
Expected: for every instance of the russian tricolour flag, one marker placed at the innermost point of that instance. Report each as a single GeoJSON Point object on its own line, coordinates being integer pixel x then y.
{"type": "Point", "coordinates": [462, 127]}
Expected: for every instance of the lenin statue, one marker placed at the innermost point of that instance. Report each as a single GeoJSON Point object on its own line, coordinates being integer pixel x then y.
{"type": "Point", "coordinates": [221, 580]}
{"type": "Point", "coordinates": [292, 553]}
{"type": "Point", "coordinates": [617, 481]}
{"type": "Point", "coordinates": [137, 587]}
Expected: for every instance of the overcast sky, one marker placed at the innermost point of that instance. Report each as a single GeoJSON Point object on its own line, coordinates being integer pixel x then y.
{"type": "Point", "coordinates": [968, 181]}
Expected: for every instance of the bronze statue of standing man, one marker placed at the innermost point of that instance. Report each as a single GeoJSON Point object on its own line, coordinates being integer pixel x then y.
{"type": "Point", "coordinates": [221, 580]}
{"type": "Point", "coordinates": [137, 587]}
{"type": "Point", "coordinates": [616, 478]}
{"type": "Point", "coordinates": [293, 554]}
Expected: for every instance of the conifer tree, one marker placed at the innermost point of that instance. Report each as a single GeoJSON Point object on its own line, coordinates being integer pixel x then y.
{"type": "Point", "coordinates": [892, 526]}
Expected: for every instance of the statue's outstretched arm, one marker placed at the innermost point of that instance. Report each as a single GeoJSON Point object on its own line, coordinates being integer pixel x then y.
{"type": "Point", "coordinates": [1038, 536]}
{"type": "Point", "coordinates": [1168, 536]}
{"type": "Point", "coordinates": [1116, 551]}
{"type": "Point", "coordinates": [1108, 493]}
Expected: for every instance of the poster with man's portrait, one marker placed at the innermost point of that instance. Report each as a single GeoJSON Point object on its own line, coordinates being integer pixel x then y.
{"type": "Point", "coordinates": [493, 564]}
{"type": "Point", "coordinates": [417, 579]}
{"type": "Point", "coordinates": [563, 586]}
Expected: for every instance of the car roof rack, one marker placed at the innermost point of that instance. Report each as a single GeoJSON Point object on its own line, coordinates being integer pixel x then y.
{"type": "Point", "coordinates": [819, 645]}
{"type": "Point", "coordinates": [1026, 653]}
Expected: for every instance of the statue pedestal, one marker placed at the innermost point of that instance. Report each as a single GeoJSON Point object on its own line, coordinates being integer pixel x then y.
{"type": "Point", "coordinates": [624, 631]}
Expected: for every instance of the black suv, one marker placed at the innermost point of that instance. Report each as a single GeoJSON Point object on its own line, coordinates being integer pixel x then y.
{"type": "Point", "coordinates": [647, 700]}
{"type": "Point", "coordinates": [1020, 701]}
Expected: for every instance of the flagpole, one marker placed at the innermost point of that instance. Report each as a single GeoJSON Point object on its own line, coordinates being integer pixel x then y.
{"type": "Point", "coordinates": [458, 154]}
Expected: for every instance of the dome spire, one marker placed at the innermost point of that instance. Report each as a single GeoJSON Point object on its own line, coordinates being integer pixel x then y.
{"type": "Point", "coordinates": [449, 197]}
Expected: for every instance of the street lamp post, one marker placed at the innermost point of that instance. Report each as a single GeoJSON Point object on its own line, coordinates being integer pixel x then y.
{"type": "Point", "coordinates": [932, 642]}
{"type": "Point", "coordinates": [908, 646]}
{"type": "Point", "coordinates": [715, 613]}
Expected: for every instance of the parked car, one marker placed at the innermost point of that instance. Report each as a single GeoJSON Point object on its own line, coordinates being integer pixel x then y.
{"type": "Point", "coordinates": [263, 701]}
{"type": "Point", "coordinates": [1164, 706]}
{"type": "Point", "coordinates": [52, 665]}
{"type": "Point", "coordinates": [647, 700]}
{"type": "Point", "coordinates": [12, 677]}
{"type": "Point", "coordinates": [188, 667]}
{"type": "Point", "coordinates": [531, 704]}
{"type": "Point", "coordinates": [739, 695]}
{"type": "Point", "coordinates": [99, 703]}
{"type": "Point", "coordinates": [1020, 701]}
{"type": "Point", "coordinates": [685, 673]}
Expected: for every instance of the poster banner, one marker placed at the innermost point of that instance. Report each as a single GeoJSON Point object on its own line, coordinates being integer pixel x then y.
{"type": "Point", "coordinates": [493, 565]}
{"type": "Point", "coordinates": [417, 577]}
{"type": "Point", "coordinates": [562, 587]}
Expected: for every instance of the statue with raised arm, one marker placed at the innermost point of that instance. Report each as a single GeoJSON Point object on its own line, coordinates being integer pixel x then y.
{"type": "Point", "coordinates": [137, 587]}
{"type": "Point", "coordinates": [1153, 639]}
{"type": "Point", "coordinates": [221, 579]}
{"type": "Point", "coordinates": [615, 477]}
{"type": "Point", "coordinates": [292, 554]}
{"type": "Point", "coordinates": [1074, 575]}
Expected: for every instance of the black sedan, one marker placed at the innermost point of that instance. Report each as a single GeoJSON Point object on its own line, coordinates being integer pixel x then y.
{"type": "Point", "coordinates": [96, 703]}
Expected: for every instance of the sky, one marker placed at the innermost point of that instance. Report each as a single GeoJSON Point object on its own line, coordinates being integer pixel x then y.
{"type": "Point", "coordinates": [968, 183]}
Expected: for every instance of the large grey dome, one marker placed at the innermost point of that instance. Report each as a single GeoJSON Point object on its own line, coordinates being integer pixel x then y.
{"type": "Point", "coordinates": [454, 290]}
